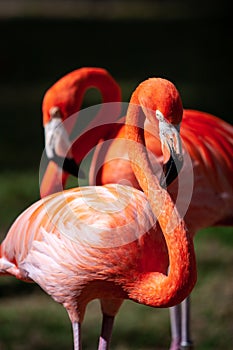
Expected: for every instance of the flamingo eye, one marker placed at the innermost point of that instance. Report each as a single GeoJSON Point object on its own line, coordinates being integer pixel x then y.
{"type": "Point", "coordinates": [159, 115]}
{"type": "Point", "coordinates": [55, 112]}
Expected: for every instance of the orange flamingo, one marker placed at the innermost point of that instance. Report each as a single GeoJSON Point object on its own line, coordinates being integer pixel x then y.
{"type": "Point", "coordinates": [62, 100]}
{"type": "Point", "coordinates": [103, 242]}
{"type": "Point", "coordinates": [209, 142]}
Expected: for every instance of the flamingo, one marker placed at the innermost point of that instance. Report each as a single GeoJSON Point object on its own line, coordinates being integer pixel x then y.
{"type": "Point", "coordinates": [103, 241]}
{"type": "Point", "coordinates": [63, 99]}
{"type": "Point", "coordinates": [208, 141]}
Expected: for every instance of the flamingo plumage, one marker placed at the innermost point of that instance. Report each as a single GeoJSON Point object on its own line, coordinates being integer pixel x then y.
{"type": "Point", "coordinates": [64, 99]}
{"type": "Point", "coordinates": [103, 242]}
{"type": "Point", "coordinates": [208, 141]}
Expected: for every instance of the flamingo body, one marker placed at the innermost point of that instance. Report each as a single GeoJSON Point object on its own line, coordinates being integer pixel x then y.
{"type": "Point", "coordinates": [70, 235]}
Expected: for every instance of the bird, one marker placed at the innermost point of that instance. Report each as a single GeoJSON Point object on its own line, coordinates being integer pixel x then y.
{"type": "Point", "coordinates": [207, 143]}
{"type": "Point", "coordinates": [62, 100]}
{"type": "Point", "coordinates": [103, 241]}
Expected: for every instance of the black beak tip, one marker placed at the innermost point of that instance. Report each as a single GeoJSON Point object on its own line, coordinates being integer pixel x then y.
{"type": "Point", "coordinates": [171, 170]}
{"type": "Point", "coordinates": [69, 165]}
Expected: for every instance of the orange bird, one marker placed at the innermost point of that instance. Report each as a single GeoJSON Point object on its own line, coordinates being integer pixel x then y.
{"type": "Point", "coordinates": [64, 99]}
{"type": "Point", "coordinates": [103, 242]}
{"type": "Point", "coordinates": [207, 141]}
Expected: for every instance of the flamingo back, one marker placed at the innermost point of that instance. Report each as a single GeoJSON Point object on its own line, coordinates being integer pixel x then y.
{"type": "Point", "coordinates": [101, 217]}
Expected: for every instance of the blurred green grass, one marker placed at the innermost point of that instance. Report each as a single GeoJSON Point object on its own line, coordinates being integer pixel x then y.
{"type": "Point", "coordinates": [29, 319]}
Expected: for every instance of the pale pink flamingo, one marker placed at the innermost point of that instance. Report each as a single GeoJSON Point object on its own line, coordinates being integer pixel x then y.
{"type": "Point", "coordinates": [103, 242]}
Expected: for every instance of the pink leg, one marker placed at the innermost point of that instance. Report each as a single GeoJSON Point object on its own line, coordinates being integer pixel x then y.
{"type": "Point", "coordinates": [106, 332]}
{"type": "Point", "coordinates": [175, 320]}
{"type": "Point", "coordinates": [186, 343]}
{"type": "Point", "coordinates": [77, 335]}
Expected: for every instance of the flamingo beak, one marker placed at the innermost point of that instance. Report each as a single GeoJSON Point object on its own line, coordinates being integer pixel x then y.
{"type": "Point", "coordinates": [71, 167]}
{"type": "Point", "coordinates": [172, 150]}
{"type": "Point", "coordinates": [171, 169]}
{"type": "Point", "coordinates": [60, 160]}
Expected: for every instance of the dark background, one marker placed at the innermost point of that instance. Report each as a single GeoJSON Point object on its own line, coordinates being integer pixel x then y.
{"type": "Point", "coordinates": [191, 46]}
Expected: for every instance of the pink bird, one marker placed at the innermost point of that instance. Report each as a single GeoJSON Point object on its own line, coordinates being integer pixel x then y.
{"type": "Point", "coordinates": [103, 242]}
{"type": "Point", "coordinates": [206, 140]}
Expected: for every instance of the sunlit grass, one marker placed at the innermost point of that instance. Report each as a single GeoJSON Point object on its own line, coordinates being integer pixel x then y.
{"type": "Point", "coordinates": [31, 319]}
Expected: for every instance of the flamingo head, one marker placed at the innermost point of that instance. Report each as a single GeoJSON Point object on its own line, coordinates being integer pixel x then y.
{"type": "Point", "coordinates": [58, 149]}
{"type": "Point", "coordinates": [162, 106]}
{"type": "Point", "coordinates": [60, 108]}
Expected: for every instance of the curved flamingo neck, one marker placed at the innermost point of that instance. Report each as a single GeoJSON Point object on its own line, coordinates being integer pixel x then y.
{"type": "Point", "coordinates": [68, 92]}
{"type": "Point", "coordinates": [173, 288]}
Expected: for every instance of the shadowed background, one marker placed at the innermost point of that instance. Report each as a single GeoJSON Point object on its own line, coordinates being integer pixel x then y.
{"type": "Point", "coordinates": [190, 44]}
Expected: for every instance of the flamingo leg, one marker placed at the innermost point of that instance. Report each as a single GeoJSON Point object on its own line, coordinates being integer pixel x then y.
{"type": "Point", "coordinates": [186, 343]}
{"type": "Point", "coordinates": [77, 335]}
{"type": "Point", "coordinates": [106, 332]}
{"type": "Point", "coordinates": [175, 320]}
